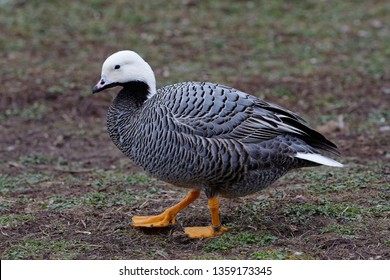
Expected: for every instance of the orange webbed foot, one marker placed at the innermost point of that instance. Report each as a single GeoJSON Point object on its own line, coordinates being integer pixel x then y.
{"type": "Point", "coordinates": [204, 232]}
{"type": "Point", "coordinates": [210, 231]}
{"type": "Point", "coordinates": [163, 220]}
{"type": "Point", "coordinates": [167, 217]}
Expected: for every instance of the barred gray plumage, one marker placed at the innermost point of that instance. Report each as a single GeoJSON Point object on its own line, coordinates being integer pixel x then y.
{"type": "Point", "coordinates": [204, 136]}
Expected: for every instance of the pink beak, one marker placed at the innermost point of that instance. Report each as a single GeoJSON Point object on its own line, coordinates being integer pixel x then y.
{"type": "Point", "coordinates": [102, 84]}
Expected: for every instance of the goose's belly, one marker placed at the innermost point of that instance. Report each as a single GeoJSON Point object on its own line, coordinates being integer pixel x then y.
{"type": "Point", "coordinates": [188, 160]}
{"type": "Point", "coordinates": [252, 182]}
{"type": "Point", "coordinates": [217, 167]}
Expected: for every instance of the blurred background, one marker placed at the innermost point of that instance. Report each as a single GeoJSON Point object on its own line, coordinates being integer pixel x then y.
{"type": "Point", "coordinates": [66, 192]}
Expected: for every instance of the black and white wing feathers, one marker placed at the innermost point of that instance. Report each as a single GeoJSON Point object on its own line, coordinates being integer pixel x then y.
{"type": "Point", "coordinates": [216, 111]}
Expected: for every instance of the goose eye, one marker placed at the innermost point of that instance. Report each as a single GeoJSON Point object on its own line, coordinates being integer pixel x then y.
{"type": "Point", "coordinates": [117, 67]}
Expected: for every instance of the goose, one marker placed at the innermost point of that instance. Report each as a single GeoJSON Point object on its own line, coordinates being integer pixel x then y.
{"type": "Point", "coordinates": [205, 137]}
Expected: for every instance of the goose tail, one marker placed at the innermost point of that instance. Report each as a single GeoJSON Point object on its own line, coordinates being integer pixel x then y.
{"type": "Point", "coordinates": [320, 159]}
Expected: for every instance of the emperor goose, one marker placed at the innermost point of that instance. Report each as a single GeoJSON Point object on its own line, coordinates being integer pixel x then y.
{"type": "Point", "coordinates": [204, 137]}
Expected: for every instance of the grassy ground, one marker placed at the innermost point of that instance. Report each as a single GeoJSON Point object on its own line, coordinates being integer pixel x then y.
{"type": "Point", "coordinates": [67, 193]}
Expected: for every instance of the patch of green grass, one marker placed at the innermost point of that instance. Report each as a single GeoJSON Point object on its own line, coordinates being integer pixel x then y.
{"type": "Point", "coordinates": [6, 183]}
{"type": "Point", "coordinates": [37, 159]}
{"type": "Point", "coordinates": [124, 198]}
{"type": "Point", "coordinates": [139, 179]}
{"type": "Point", "coordinates": [340, 229]}
{"type": "Point", "coordinates": [101, 200]}
{"type": "Point", "coordinates": [251, 210]}
{"type": "Point", "coordinates": [380, 210]}
{"type": "Point", "coordinates": [41, 249]}
{"type": "Point", "coordinates": [303, 40]}
{"type": "Point", "coordinates": [34, 178]}
{"type": "Point", "coordinates": [279, 255]}
{"type": "Point", "coordinates": [326, 180]}
{"type": "Point", "coordinates": [247, 238]}
{"type": "Point", "coordinates": [244, 239]}
{"type": "Point", "coordinates": [71, 180]}
{"type": "Point", "coordinates": [270, 255]}
{"type": "Point", "coordinates": [150, 192]}
{"type": "Point", "coordinates": [387, 242]}
{"type": "Point", "coordinates": [11, 184]}
{"type": "Point", "coordinates": [36, 111]}
{"type": "Point", "coordinates": [5, 204]}
{"type": "Point", "coordinates": [208, 257]}
{"type": "Point", "coordinates": [281, 92]}
{"type": "Point", "coordinates": [109, 178]}
{"type": "Point", "coordinates": [13, 220]}
{"type": "Point", "coordinates": [60, 203]}
{"type": "Point", "coordinates": [268, 239]}
{"type": "Point", "coordinates": [223, 243]}
{"type": "Point", "coordinates": [344, 211]}
{"type": "Point", "coordinates": [93, 199]}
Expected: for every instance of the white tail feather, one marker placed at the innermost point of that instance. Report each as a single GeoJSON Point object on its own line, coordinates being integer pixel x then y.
{"type": "Point", "coordinates": [319, 159]}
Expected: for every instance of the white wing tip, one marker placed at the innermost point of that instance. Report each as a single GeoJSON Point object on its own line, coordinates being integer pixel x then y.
{"type": "Point", "coordinates": [317, 158]}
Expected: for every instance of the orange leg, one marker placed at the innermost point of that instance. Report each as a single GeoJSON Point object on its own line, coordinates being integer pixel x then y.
{"type": "Point", "coordinates": [210, 231]}
{"type": "Point", "coordinates": [168, 216]}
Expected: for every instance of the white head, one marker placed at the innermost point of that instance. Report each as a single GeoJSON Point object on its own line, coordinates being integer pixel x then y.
{"type": "Point", "coordinates": [123, 67]}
